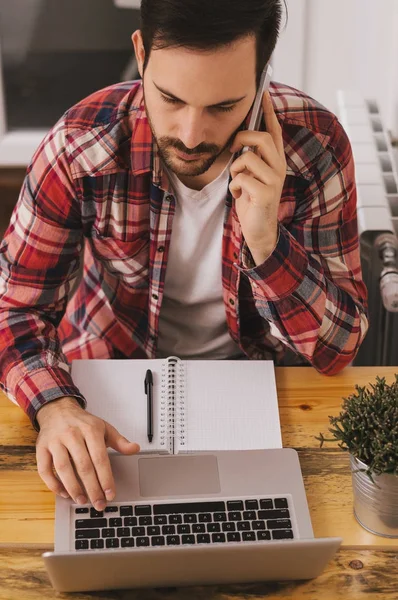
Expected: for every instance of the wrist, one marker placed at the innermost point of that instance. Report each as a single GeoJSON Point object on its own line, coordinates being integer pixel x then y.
{"type": "Point", "coordinates": [263, 251]}
{"type": "Point", "coordinates": [57, 404]}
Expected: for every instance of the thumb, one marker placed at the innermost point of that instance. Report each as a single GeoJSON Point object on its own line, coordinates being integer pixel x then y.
{"type": "Point", "coordinates": [118, 442]}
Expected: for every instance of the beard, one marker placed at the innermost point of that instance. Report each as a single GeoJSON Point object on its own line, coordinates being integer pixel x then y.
{"type": "Point", "coordinates": [188, 168]}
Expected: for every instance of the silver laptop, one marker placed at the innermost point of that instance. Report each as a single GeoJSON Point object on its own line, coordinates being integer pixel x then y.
{"type": "Point", "coordinates": [206, 518]}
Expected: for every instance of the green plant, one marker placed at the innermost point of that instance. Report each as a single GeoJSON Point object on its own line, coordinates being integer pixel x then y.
{"type": "Point", "coordinates": [367, 427]}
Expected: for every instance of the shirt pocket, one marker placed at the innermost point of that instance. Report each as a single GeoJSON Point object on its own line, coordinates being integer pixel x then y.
{"type": "Point", "coordinates": [127, 261]}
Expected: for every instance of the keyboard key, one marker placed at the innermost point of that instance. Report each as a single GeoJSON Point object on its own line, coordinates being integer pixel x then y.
{"type": "Point", "coordinates": [115, 522]}
{"type": "Point", "coordinates": [219, 516]}
{"type": "Point", "coordinates": [82, 534]}
{"type": "Point", "coordinates": [137, 531]}
{"type": "Point", "coordinates": [143, 510]}
{"type": "Point", "coordinates": [282, 534]}
{"type": "Point", "coordinates": [266, 504]}
{"type": "Point", "coordinates": [248, 536]}
{"type": "Point", "coordinates": [249, 515]}
{"type": "Point", "coordinates": [258, 525]}
{"type": "Point", "coordinates": [174, 519]}
{"type": "Point", "coordinates": [235, 516]}
{"type": "Point", "coordinates": [173, 540]}
{"type": "Point", "coordinates": [130, 521]}
{"type": "Point", "coordinates": [81, 545]}
{"type": "Point", "coordinates": [234, 505]}
{"type": "Point", "coordinates": [205, 518]}
{"type": "Point", "coordinates": [153, 530]}
{"type": "Point", "coordinates": [90, 523]}
{"type": "Point", "coordinates": [160, 520]}
{"type": "Point", "coordinates": [280, 513]}
{"type": "Point", "coordinates": [96, 544]}
{"type": "Point", "coordinates": [198, 528]}
{"type": "Point", "coordinates": [191, 507]}
{"type": "Point", "coordinates": [188, 539]}
{"type": "Point", "coordinates": [111, 509]}
{"type": "Point", "coordinates": [108, 532]}
{"type": "Point", "coordinates": [142, 541]}
{"type": "Point", "coordinates": [96, 513]}
{"type": "Point", "coordinates": [190, 518]}
{"type": "Point", "coordinates": [213, 527]}
{"type": "Point", "coordinates": [112, 543]}
{"type": "Point", "coordinates": [158, 540]}
{"type": "Point", "coordinates": [279, 524]}
{"type": "Point", "coordinates": [251, 504]}
{"type": "Point", "coordinates": [228, 526]}
{"type": "Point", "coordinates": [126, 511]}
{"type": "Point", "coordinates": [243, 526]}
{"type": "Point", "coordinates": [183, 529]}
{"type": "Point", "coordinates": [263, 535]}
{"type": "Point", "coordinates": [127, 542]}
{"type": "Point", "coordinates": [280, 503]}
{"type": "Point", "coordinates": [218, 537]}
{"type": "Point", "coordinates": [145, 520]}
{"type": "Point", "coordinates": [203, 538]}
{"type": "Point", "coordinates": [123, 532]}
{"type": "Point", "coordinates": [233, 537]}
{"type": "Point", "coordinates": [81, 510]}
{"type": "Point", "coordinates": [168, 529]}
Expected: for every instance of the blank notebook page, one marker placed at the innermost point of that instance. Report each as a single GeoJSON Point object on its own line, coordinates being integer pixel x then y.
{"type": "Point", "coordinates": [114, 390]}
{"type": "Point", "coordinates": [230, 405]}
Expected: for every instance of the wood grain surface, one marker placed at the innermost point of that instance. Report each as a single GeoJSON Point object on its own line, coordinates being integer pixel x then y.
{"type": "Point", "coordinates": [366, 567]}
{"type": "Point", "coordinates": [356, 574]}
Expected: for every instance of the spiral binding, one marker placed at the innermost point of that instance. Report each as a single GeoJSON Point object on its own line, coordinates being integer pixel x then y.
{"type": "Point", "coordinates": [172, 404]}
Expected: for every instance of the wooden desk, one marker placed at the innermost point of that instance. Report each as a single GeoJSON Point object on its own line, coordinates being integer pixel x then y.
{"type": "Point", "coordinates": [365, 567]}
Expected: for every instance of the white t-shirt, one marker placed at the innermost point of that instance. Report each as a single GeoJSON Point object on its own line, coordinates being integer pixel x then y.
{"type": "Point", "coordinates": [192, 322]}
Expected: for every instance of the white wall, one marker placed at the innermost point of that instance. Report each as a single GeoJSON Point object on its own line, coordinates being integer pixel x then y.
{"type": "Point", "coordinates": [342, 44]}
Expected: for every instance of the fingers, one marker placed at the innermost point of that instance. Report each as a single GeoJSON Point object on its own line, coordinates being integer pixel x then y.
{"type": "Point", "coordinates": [246, 183]}
{"type": "Point", "coordinates": [115, 440]}
{"type": "Point", "coordinates": [250, 163]}
{"type": "Point", "coordinates": [45, 469]}
{"type": "Point", "coordinates": [86, 471]}
{"type": "Point", "coordinates": [66, 472]}
{"type": "Point", "coordinates": [102, 465]}
{"type": "Point", "coordinates": [272, 124]}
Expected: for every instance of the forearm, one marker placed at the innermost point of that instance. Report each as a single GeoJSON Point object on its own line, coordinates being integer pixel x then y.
{"type": "Point", "coordinates": [307, 308]}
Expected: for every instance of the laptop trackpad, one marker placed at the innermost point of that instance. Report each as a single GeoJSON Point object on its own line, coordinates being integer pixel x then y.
{"type": "Point", "coordinates": [179, 475]}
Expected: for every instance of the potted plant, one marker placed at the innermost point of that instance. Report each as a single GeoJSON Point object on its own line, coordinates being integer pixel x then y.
{"type": "Point", "coordinates": [367, 428]}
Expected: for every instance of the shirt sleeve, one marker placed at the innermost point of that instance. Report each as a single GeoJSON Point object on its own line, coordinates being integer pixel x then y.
{"type": "Point", "coordinates": [39, 261]}
{"type": "Point", "coordinates": [310, 288]}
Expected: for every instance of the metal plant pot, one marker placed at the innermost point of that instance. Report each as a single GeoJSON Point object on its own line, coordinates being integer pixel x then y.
{"type": "Point", "coordinates": [375, 504]}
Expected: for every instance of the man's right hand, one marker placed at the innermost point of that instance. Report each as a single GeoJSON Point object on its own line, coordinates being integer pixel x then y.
{"type": "Point", "coordinates": [74, 442]}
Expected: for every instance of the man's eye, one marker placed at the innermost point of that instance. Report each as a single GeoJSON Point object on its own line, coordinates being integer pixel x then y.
{"type": "Point", "coordinates": [174, 101]}
{"type": "Point", "coordinates": [170, 100]}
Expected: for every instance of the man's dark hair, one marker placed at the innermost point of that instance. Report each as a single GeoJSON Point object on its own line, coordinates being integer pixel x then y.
{"type": "Point", "coordinates": [210, 24]}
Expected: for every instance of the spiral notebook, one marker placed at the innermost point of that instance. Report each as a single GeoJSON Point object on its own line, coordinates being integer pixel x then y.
{"type": "Point", "coordinates": [198, 405]}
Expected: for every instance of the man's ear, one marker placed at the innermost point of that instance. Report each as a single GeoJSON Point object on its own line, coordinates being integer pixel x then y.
{"type": "Point", "coordinates": [139, 50]}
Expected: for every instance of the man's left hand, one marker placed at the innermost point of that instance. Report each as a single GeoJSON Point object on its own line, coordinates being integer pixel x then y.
{"type": "Point", "coordinates": [258, 178]}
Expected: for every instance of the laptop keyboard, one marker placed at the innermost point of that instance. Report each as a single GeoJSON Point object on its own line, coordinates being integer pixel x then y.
{"type": "Point", "coordinates": [182, 523]}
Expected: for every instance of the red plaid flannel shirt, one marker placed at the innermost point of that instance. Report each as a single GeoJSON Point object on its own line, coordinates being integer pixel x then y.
{"type": "Point", "coordinates": [96, 189]}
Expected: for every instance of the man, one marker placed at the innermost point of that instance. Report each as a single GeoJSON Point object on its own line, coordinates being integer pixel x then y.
{"type": "Point", "coordinates": [188, 248]}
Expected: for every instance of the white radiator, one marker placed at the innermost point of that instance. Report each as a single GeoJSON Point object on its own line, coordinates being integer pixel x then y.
{"type": "Point", "coordinates": [377, 183]}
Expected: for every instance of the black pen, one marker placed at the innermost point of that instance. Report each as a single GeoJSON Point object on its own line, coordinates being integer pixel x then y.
{"type": "Point", "coordinates": [148, 392]}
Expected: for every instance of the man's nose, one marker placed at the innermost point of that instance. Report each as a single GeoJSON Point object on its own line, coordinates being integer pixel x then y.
{"type": "Point", "coordinates": [192, 128]}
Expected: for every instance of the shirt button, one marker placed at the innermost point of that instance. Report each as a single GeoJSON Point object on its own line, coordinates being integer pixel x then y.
{"type": "Point", "coordinates": [169, 198]}
{"type": "Point", "coordinates": [161, 249]}
{"type": "Point", "coordinates": [155, 296]}
{"type": "Point", "coordinates": [152, 337]}
{"type": "Point", "coordinates": [232, 302]}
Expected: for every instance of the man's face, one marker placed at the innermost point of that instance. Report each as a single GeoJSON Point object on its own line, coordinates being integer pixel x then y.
{"type": "Point", "coordinates": [196, 101]}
